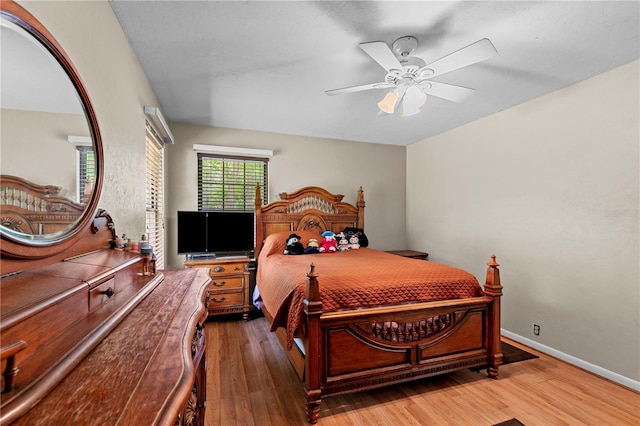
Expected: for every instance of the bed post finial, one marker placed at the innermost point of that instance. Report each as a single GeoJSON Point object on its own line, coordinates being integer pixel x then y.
{"type": "Point", "coordinates": [258, 202]}
{"type": "Point", "coordinates": [360, 206]}
{"type": "Point", "coordinates": [492, 283]}
{"type": "Point", "coordinates": [313, 310]}
{"type": "Point", "coordinates": [259, 226]}
{"type": "Point", "coordinates": [493, 289]}
{"type": "Point", "coordinates": [313, 290]}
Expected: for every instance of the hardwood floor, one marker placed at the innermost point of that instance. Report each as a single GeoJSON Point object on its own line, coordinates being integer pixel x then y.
{"type": "Point", "coordinates": [250, 382]}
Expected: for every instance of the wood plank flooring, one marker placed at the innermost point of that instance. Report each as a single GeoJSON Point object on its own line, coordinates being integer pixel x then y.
{"type": "Point", "coordinates": [250, 382]}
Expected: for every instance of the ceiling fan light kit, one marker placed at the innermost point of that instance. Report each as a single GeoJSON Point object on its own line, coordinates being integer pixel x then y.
{"type": "Point", "coordinates": [414, 98]}
{"type": "Point", "coordinates": [408, 76]}
{"type": "Point", "coordinates": [388, 103]}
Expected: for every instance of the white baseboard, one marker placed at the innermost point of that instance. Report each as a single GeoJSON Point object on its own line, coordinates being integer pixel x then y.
{"type": "Point", "coordinates": [610, 375]}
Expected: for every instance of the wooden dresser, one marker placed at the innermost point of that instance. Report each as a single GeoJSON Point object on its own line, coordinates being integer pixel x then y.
{"type": "Point", "coordinates": [229, 287]}
{"type": "Point", "coordinates": [88, 334]}
{"type": "Point", "coordinates": [94, 337]}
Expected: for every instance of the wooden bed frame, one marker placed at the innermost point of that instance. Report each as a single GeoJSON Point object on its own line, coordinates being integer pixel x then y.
{"type": "Point", "coordinates": [349, 351]}
{"type": "Point", "coordinates": [34, 209]}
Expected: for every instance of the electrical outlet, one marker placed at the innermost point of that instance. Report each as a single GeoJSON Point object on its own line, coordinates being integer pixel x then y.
{"type": "Point", "coordinates": [536, 329]}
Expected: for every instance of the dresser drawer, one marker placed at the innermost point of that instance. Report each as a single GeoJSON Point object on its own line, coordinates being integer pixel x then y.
{"type": "Point", "coordinates": [227, 268]}
{"type": "Point", "coordinates": [225, 299]}
{"type": "Point", "coordinates": [226, 283]}
{"type": "Point", "coordinates": [101, 294]}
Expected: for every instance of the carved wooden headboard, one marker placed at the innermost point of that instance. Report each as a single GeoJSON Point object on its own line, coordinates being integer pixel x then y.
{"type": "Point", "coordinates": [311, 208]}
{"type": "Point", "coordinates": [35, 209]}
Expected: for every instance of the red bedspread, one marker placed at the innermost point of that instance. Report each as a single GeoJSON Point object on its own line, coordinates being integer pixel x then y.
{"type": "Point", "coordinates": [352, 279]}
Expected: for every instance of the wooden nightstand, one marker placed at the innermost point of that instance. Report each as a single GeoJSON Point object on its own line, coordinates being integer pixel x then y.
{"type": "Point", "coordinates": [229, 287]}
{"type": "Point", "coordinates": [410, 253]}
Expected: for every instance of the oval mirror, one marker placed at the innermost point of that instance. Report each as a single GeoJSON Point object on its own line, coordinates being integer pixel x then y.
{"type": "Point", "coordinates": [50, 143]}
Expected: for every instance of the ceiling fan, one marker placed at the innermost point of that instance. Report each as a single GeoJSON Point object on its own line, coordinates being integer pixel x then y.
{"type": "Point", "coordinates": [409, 77]}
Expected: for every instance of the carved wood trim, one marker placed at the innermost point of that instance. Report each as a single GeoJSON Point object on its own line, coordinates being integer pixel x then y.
{"type": "Point", "coordinates": [402, 376]}
{"type": "Point", "coordinates": [406, 332]}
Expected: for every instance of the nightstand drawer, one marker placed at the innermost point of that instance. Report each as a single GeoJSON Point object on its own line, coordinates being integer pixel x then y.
{"type": "Point", "coordinates": [227, 268]}
{"type": "Point", "coordinates": [224, 299]}
{"type": "Point", "coordinates": [229, 287]}
{"type": "Point", "coordinates": [225, 283]}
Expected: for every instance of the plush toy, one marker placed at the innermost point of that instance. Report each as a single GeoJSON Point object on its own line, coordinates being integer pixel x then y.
{"type": "Point", "coordinates": [329, 243]}
{"type": "Point", "coordinates": [354, 242]}
{"type": "Point", "coordinates": [312, 246]}
{"type": "Point", "coordinates": [294, 246]}
{"type": "Point", "coordinates": [362, 238]}
{"type": "Point", "coordinates": [343, 243]}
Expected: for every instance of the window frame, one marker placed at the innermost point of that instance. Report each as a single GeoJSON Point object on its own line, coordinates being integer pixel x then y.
{"type": "Point", "coordinates": [155, 194]}
{"type": "Point", "coordinates": [248, 189]}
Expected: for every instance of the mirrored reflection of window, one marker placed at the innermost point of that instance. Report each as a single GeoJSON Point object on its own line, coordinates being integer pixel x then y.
{"type": "Point", "coordinates": [86, 172]}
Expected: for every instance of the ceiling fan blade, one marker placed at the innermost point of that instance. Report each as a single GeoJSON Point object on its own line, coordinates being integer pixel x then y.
{"type": "Point", "coordinates": [475, 52]}
{"type": "Point", "coordinates": [358, 88]}
{"type": "Point", "coordinates": [380, 52]}
{"type": "Point", "coordinates": [446, 91]}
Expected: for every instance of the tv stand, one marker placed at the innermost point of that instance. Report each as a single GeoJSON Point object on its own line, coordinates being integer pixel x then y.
{"type": "Point", "coordinates": [229, 286]}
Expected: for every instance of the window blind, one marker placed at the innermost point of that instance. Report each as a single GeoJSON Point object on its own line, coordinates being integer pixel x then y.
{"type": "Point", "coordinates": [86, 172]}
{"type": "Point", "coordinates": [229, 183]}
{"type": "Point", "coordinates": [155, 195]}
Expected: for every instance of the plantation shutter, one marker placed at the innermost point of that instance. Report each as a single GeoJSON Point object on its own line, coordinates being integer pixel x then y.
{"type": "Point", "coordinates": [155, 195]}
{"type": "Point", "coordinates": [86, 172]}
{"type": "Point", "coordinates": [229, 183]}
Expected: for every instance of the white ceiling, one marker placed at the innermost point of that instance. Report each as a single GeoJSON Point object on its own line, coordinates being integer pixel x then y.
{"type": "Point", "coordinates": [264, 65]}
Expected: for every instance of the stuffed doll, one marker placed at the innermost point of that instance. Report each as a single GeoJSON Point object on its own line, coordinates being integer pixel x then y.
{"type": "Point", "coordinates": [294, 246]}
{"type": "Point", "coordinates": [362, 238]}
{"type": "Point", "coordinates": [312, 246]}
{"type": "Point", "coordinates": [343, 243]}
{"type": "Point", "coordinates": [328, 243]}
{"type": "Point", "coordinates": [354, 242]}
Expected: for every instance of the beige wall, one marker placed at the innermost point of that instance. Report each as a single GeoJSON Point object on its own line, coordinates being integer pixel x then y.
{"type": "Point", "coordinates": [551, 187]}
{"type": "Point", "coordinates": [339, 166]}
{"type": "Point", "coordinates": [34, 147]}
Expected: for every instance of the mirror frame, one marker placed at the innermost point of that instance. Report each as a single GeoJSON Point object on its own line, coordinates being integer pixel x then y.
{"type": "Point", "coordinates": [23, 249]}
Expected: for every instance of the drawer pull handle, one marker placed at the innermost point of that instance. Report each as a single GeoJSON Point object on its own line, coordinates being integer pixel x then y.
{"type": "Point", "coordinates": [108, 292]}
{"type": "Point", "coordinates": [218, 300]}
{"type": "Point", "coordinates": [218, 269]}
{"type": "Point", "coordinates": [220, 284]}
{"type": "Point", "coordinates": [10, 372]}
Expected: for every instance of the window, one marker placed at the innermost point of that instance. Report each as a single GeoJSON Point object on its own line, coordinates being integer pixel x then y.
{"type": "Point", "coordinates": [229, 183]}
{"type": "Point", "coordinates": [86, 172]}
{"type": "Point", "coordinates": [155, 195]}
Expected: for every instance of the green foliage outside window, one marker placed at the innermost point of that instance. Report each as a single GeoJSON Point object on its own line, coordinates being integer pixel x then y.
{"type": "Point", "coordinates": [229, 184]}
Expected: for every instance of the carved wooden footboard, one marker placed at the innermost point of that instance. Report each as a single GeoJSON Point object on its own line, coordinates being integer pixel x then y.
{"type": "Point", "coordinates": [350, 351]}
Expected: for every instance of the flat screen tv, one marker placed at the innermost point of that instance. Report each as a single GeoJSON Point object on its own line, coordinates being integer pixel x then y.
{"type": "Point", "coordinates": [215, 232]}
